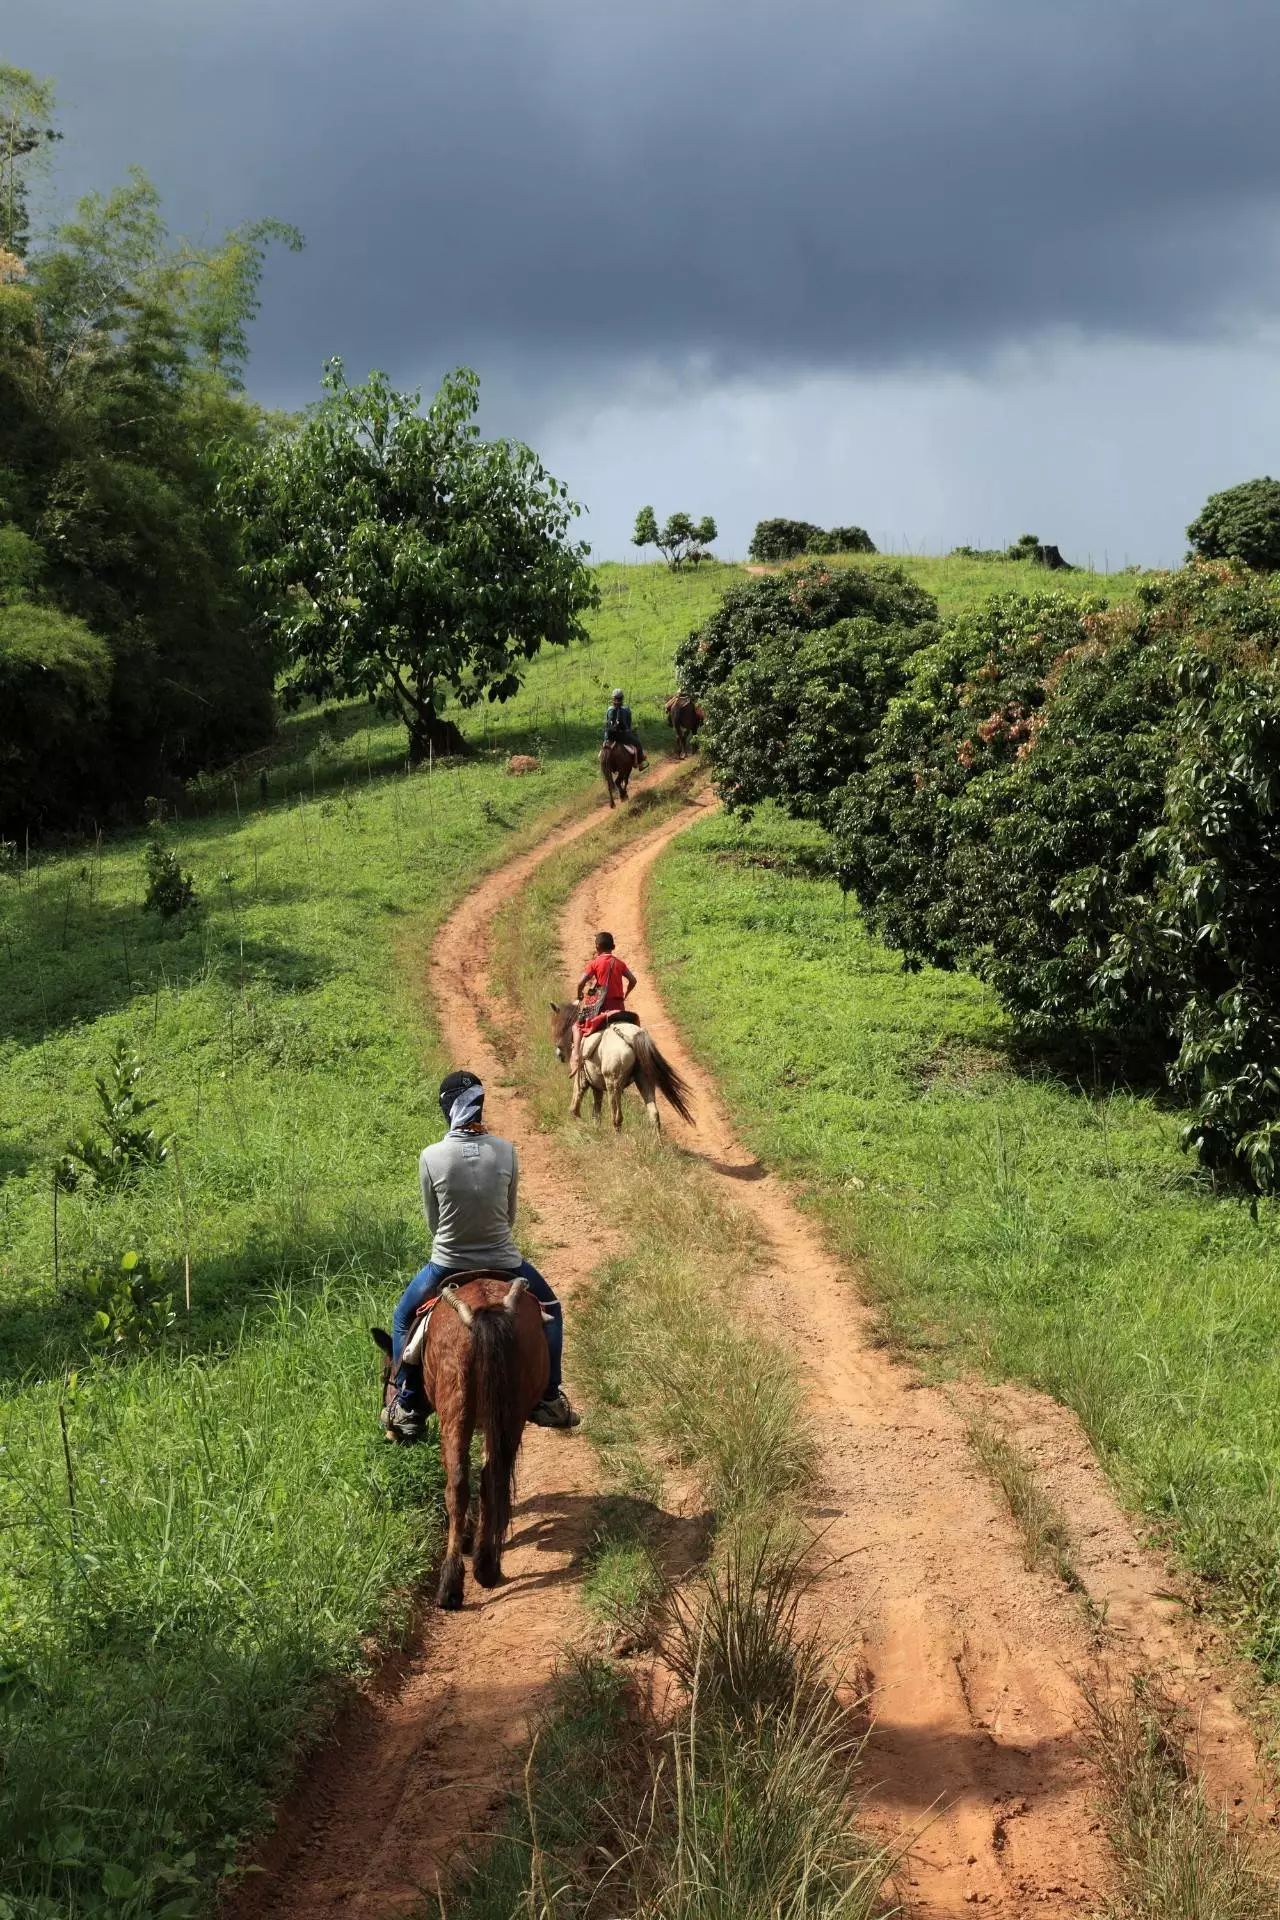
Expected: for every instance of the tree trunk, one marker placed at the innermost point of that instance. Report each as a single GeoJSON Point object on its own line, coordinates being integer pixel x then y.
{"type": "Point", "coordinates": [431, 737]}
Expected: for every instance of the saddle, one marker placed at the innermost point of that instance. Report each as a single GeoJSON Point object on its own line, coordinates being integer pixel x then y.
{"type": "Point", "coordinates": [415, 1345]}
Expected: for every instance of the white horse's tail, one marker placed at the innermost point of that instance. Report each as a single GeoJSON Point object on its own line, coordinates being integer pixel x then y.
{"type": "Point", "coordinates": [665, 1078]}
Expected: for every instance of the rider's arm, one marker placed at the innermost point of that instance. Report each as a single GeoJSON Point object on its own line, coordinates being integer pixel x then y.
{"type": "Point", "coordinates": [512, 1189]}
{"type": "Point", "coordinates": [430, 1198]}
{"type": "Point", "coordinates": [630, 979]}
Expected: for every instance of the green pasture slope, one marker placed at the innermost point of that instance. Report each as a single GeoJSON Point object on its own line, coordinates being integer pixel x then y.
{"type": "Point", "coordinates": [1049, 1232]}
{"type": "Point", "coordinates": [222, 1533]}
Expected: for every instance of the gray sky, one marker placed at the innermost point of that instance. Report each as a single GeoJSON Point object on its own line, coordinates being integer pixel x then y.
{"type": "Point", "coordinates": [953, 269]}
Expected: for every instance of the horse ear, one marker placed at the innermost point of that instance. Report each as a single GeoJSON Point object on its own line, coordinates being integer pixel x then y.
{"type": "Point", "coordinates": [555, 1006]}
{"type": "Point", "coordinates": [381, 1339]}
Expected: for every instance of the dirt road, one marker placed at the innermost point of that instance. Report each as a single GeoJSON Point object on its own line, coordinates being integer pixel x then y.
{"type": "Point", "coordinates": [976, 1761]}
{"type": "Point", "coordinates": [977, 1746]}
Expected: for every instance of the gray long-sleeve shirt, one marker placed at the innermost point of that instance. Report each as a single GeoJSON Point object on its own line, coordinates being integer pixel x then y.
{"type": "Point", "coordinates": [469, 1183]}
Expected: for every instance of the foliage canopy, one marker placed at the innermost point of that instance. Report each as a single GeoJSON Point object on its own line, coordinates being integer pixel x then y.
{"type": "Point", "coordinates": [393, 553]}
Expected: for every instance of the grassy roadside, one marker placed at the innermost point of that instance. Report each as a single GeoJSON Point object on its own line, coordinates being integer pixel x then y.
{"type": "Point", "coordinates": [204, 1514]}
{"type": "Point", "coordinates": [1047, 1232]}
{"type": "Point", "coordinates": [733, 1794]}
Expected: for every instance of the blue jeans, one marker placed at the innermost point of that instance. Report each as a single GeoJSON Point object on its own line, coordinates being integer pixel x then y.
{"type": "Point", "coordinates": [410, 1390]}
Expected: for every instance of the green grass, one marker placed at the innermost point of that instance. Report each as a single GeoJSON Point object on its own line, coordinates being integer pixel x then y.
{"type": "Point", "coordinates": [223, 1533]}
{"type": "Point", "coordinates": [1045, 1231]}
{"type": "Point", "coordinates": [959, 584]}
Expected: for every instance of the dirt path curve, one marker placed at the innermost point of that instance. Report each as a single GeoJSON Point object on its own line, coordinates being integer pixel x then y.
{"type": "Point", "coordinates": [977, 1750]}
{"type": "Point", "coordinates": [423, 1759]}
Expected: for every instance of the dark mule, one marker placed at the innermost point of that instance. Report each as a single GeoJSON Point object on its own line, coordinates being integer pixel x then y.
{"type": "Point", "coordinates": [612, 1059]}
{"type": "Point", "coordinates": [617, 764]}
{"type": "Point", "coordinates": [485, 1367]}
{"type": "Point", "coordinates": [686, 717]}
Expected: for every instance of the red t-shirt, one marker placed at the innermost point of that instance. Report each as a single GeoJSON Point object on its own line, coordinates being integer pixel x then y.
{"type": "Point", "coordinates": [610, 973]}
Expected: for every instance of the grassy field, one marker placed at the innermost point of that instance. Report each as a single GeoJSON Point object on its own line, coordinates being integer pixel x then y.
{"type": "Point", "coordinates": [958, 583]}
{"type": "Point", "coordinates": [1047, 1231]}
{"type": "Point", "coordinates": [214, 1518]}
{"type": "Point", "coordinates": [209, 1515]}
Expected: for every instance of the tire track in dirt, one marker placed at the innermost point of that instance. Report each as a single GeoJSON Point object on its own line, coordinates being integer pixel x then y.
{"type": "Point", "coordinates": [417, 1765]}
{"type": "Point", "coordinates": [977, 1760]}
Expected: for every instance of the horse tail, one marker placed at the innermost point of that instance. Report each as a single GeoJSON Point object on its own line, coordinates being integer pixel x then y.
{"type": "Point", "coordinates": [499, 1415]}
{"type": "Point", "coordinates": [665, 1078]}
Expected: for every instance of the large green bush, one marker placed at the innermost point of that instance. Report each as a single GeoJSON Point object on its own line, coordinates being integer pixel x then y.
{"type": "Point", "coordinates": [775, 540]}
{"type": "Point", "coordinates": [788, 604]}
{"type": "Point", "coordinates": [796, 720]}
{"type": "Point", "coordinates": [1082, 807]}
{"type": "Point", "coordinates": [1241, 523]}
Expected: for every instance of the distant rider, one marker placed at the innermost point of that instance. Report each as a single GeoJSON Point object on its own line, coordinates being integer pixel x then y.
{"type": "Point", "coordinates": [469, 1181]}
{"type": "Point", "coordinates": [602, 992]}
{"type": "Point", "coordinates": [618, 730]}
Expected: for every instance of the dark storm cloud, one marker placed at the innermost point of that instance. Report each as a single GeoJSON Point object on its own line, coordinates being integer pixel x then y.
{"type": "Point", "coordinates": [824, 183]}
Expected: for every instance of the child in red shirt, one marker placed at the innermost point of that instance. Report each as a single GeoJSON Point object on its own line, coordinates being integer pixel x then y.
{"type": "Point", "coordinates": [603, 991]}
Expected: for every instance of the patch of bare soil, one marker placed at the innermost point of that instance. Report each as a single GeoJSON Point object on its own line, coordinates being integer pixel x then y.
{"type": "Point", "coordinates": [977, 1761]}
{"type": "Point", "coordinates": [416, 1765]}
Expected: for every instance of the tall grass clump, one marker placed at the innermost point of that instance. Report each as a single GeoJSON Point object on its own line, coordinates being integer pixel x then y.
{"type": "Point", "coordinates": [733, 1799]}
{"type": "Point", "coordinates": [1175, 1858]}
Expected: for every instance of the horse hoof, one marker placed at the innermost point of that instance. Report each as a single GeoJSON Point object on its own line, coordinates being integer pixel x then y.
{"type": "Point", "coordinates": [488, 1571]}
{"type": "Point", "coordinates": [449, 1592]}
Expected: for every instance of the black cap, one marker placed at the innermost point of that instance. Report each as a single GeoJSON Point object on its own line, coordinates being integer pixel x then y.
{"type": "Point", "coordinates": [452, 1085]}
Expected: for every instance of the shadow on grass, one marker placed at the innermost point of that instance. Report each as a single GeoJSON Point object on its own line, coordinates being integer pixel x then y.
{"type": "Point", "coordinates": [231, 1292]}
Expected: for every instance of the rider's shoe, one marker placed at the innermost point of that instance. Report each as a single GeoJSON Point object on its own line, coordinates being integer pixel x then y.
{"type": "Point", "coordinates": [555, 1412]}
{"type": "Point", "coordinates": [402, 1423]}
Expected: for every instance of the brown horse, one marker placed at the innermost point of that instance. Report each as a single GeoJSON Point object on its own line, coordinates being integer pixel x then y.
{"type": "Point", "coordinates": [485, 1365]}
{"type": "Point", "coordinates": [686, 717]}
{"type": "Point", "coordinates": [617, 764]}
{"type": "Point", "coordinates": [614, 1058]}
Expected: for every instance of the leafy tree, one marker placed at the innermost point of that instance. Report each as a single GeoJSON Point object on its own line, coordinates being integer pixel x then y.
{"type": "Point", "coordinates": [1242, 523]}
{"type": "Point", "coordinates": [26, 107]}
{"type": "Point", "coordinates": [775, 540]}
{"type": "Point", "coordinates": [681, 541]}
{"type": "Point", "coordinates": [55, 680]}
{"type": "Point", "coordinates": [795, 720]}
{"type": "Point", "coordinates": [120, 355]}
{"type": "Point", "coordinates": [646, 528]}
{"type": "Point", "coordinates": [842, 540]}
{"type": "Point", "coordinates": [1084, 807]}
{"type": "Point", "coordinates": [786, 605]}
{"type": "Point", "coordinates": [395, 554]}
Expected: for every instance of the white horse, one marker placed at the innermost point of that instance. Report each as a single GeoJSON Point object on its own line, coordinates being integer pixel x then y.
{"type": "Point", "coordinates": [613, 1058]}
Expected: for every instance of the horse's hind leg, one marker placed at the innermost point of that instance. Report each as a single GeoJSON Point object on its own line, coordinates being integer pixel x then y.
{"type": "Point", "coordinates": [615, 1103]}
{"type": "Point", "coordinates": [649, 1094]}
{"type": "Point", "coordinates": [487, 1564]}
{"type": "Point", "coordinates": [597, 1097]}
{"type": "Point", "coordinates": [455, 1451]}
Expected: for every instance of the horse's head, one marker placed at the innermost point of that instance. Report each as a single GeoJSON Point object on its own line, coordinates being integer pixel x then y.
{"type": "Point", "coordinates": [563, 1015]}
{"type": "Point", "coordinates": [382, 1341]}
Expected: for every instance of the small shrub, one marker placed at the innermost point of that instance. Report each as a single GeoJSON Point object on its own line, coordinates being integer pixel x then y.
{"type": "Point", "coordinates": [125, 1304]}
{"type": "Point", "coordinates": [170, 891]}
{"type": "Point", "coordinates": [129, 1141]}
{"type": "Point", "coordinates": [775, 540]}
{"type": "Point", "coordinates": [1242, 523]}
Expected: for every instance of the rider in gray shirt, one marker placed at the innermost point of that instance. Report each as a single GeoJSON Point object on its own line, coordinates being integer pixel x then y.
{"type": "Point", "coordinates": [469, 1185]}
{"type": "Point", "coordinates": [470, 1181]}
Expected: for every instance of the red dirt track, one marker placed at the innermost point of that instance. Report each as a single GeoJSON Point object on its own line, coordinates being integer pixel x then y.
{"type": "Point", "coordinates": [976, 1764]}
